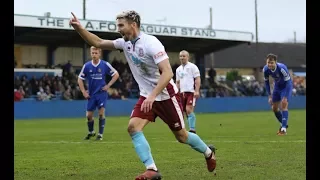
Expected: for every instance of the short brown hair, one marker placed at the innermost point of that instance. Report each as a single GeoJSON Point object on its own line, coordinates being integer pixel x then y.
{"type": "Point", "coordinates": [131, 16]}
{"type": "Point", "coordinates": [272, 57]}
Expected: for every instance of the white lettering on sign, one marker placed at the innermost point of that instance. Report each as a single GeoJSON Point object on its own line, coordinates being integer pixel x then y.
{"type": "Point", "coordinates": [110, 26]}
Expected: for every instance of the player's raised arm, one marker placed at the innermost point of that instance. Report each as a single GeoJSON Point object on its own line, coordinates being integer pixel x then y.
{"type": "Point", "coordinates": [91, 38]}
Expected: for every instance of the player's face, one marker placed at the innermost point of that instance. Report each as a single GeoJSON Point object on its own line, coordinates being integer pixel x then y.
{"type": "Point", "coordinates": [95, 54]}
{"type": "Point", "coordinates": [184, 57]}
{"type": "Point", "coordinates": [271, 64]}
{"type": "Point", "coordinates": [125, 29]}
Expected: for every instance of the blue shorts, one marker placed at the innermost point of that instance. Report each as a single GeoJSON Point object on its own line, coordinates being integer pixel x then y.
{"type": "Point", "coordinates": [278, 95]}
{"type": "Point", "coordinates": [97, 101]}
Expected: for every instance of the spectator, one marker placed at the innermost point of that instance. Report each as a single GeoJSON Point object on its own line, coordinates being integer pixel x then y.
{"type": "Point", "coordinates": [42, 96]}
{"type": "Point", "coordinates": [67, 94]}
{"type": "Point", "coordinates": [17, 95]}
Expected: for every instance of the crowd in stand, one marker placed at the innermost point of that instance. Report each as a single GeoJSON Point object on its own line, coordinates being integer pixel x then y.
{"type": "Point", "coordinates": [66, 88]}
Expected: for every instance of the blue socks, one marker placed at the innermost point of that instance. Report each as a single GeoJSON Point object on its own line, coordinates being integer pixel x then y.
{"type": "Point", "coordinates": [90, 125]}
{"type": "Point", "coordinates": [285, 115]}
{"type": "Point", "coordinates": [143, 150]}
{"type": "Point", "coordinates": [102, 122]}
{"type": "Point", "coordinates": [278, 116]}
{"type": "Point", "coordinates": [192, 121]}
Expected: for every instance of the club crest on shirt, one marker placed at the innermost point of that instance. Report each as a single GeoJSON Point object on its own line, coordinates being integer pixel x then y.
{"type": "Point", "coordinates": [140, 52]}
{"type": "Point", "coordinates": [99, 70]}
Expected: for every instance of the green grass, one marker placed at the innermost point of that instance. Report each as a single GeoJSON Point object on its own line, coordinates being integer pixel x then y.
{"type": "Point", "coordinates": [248, 149]}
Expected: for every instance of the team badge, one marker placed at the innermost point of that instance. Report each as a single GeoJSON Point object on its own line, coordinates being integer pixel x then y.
{"type": "Point", "coordinates": [99, 70]}
{"type": "Point", "coordinates": [141, 53]}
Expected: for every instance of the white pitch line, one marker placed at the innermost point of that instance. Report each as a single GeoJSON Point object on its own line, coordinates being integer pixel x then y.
{"type": "Point", "coordinates": [156, 141]}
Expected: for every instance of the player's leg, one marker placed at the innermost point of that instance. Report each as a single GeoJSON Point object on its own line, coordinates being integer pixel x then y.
{"type": "Point", "coordinates": [138, 121]}
{"type": "Point", "coordinates": [276, 110]}
{"type": "Point", "coordinates": [196, 143]}
{"type": "Point", "coordinates": [91, 106]}
{"type": "Point", "coordinates": [101, 112]}
{"type": "Point", "coordinates": [276, 98]}
{"type": "Point", "coordinates": [90, 124]}
{"type": "Point", "coordinates": [170, 112]}
{"type": "Point", "coordinates": [183, 102]}
{"type": "Point", "coordinates": [190, 113]}
{"type": "Point", "coordinates": [102, 122]}
{"type": "Point", "coordinates": [285, 113]}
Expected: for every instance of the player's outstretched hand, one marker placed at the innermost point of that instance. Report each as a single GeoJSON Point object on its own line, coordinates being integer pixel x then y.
{"type": "Point", "coordinates": [86, 95]}
{"type": "Point", "coordinates": [74, 22]}
{"type": "Point", "coordinates": [147, 104]}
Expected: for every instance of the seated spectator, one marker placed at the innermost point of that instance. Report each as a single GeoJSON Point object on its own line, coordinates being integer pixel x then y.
{"type": "Point", "coordinates": [49, 93]}
{"type": "Point", "coordinates": [67, 94]}
{"type": "Point", "coordinates": [21, 91]}
{"type": "Point", "coordinates": [42, 96]}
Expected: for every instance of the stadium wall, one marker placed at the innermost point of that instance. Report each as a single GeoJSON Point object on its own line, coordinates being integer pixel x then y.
{"type": "Point", "coordinates": [74, 109]}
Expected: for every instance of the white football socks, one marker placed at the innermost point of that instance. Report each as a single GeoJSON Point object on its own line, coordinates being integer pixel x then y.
{"type": "Point", "coordinates": [207, 153]}
{"type": "Point", "coordinates": [152, 166]}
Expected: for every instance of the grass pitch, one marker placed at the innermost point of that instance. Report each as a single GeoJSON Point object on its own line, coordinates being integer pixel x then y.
{"type": "Point", "coordinates": [248, 149]}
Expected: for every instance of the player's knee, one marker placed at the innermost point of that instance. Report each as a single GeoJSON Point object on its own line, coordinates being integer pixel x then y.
{"type": "Point", "coordinates": [189, 110]}
{"type": "Point", "coordinates": [275, 108]}
{"type": "Point", "coordinates": [101, 116]}
{"type": "Point", "coordinates": [284, 105]}
{"type": "Point", "coordinates": [136, 124]}
{"type": "Point", "coordinates": [89, 116]}
{"type": "Point", "coordinates": [181, 136]}
{"type": "Point", "coordinates": [131, 128]}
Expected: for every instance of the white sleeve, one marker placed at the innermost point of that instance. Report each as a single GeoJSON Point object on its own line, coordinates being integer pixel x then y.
{"type": "Point", "coordinates": [118, 43]}
{"type": "Point", "coordinates": [82, 74]}
{"type": "Point", "coordinates": [156, 50]}
{"type": "Point", "coordinates": [285, 74]}
{"type": "Point", "coordinates": [110, 70]}
{"type": "Point", "coordinates": [195, 71]}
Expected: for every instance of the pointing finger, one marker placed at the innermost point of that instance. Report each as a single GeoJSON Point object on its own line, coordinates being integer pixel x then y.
{"type": "Point", "coordinates": [74, 16]}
